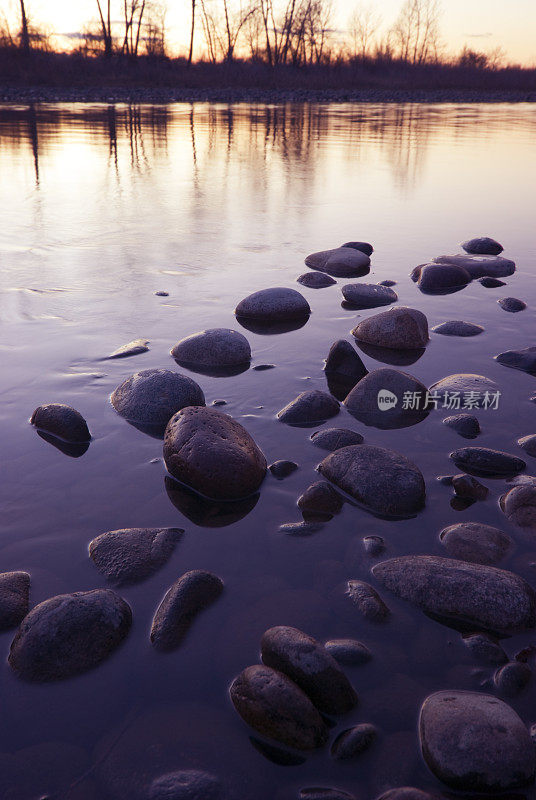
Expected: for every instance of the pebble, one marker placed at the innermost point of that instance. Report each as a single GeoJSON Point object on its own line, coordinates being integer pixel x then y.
{"type": "Point", "coordinates": [524, 360]}
{"type": "Point", "coordinates": [341, 262]}
{"type": "Point", "coordinates": [131, 554]}
{"type": "Point", "coordinates": [485, 649]}
{"type": "Point", "coordinates": [216, 348]}
{"type": "Point", "coordinates": [368, 601]}
{"type": "Point", "coordinates": [316, 280]}
{"type": "Point", "coordinates": [335, 438]}
{"type": "Point", "coordinates": [528, 443]}
{"type": "Point", "coordinates": [344, 362]}
{"type": "Point", "coordinates": [387, 283]}
{"type": "Point", "coordinates": [491, 283]}
{"type": "Point", "coordinates": [62, 421]}
{"type": "Point", "coordinates": [469, 488]}
{"type": "Point", "coordinates": [309, 408]}
{"type": "Point", "coordinates": [464, 383]}
{"type": "Point", "coordinates": [368, 295]}
{"type": "Point", "coordinates": [300, 528]}
{"type": "Point", "coordinates": [349, 652]}
{"type": "Point", "coordinates": [512, 304]}
{"type": "Point", "coordinates": [273, 305]}
{"type": "Point", "coordinates": [351, 743]}
{"type": "Point", "coordinates": [483, 245]}
{"type": "Point", "coordinates": [151, 397]}
{"type": "Point", "coordinates": [133, 348]}
{"type": "Point", "coordinates": [364, 400]}
{"type": "Point", "coordinates": [440, 278]}
{"type": "Point", "coordinates": [512, 678]}
{"type": "Point", "coordinates": [374, 545]}
{"type": "Point", "coordinates": [399, 328]}
{"type": "Point", "coordinates": [364, 247]}
{"type": "Point", "coordinates": [476, 542]}
{"type": "Point", "coordinates": [282, 469]}
{"type": "Point", "coordinates": [458, 328]}
{"type": "Point", "coordinates": [466, 425]}
{"type": "Point", "coordinates": [320, 500]}
{"type": "Point", "coordinates": [519, 505]}
{"type": "Point", "coordinates": [14, 598]}
{"type": "Point", "coordinates": [485, 461]}
{"type": "Point", "coordinates": [162, 294]}
{"type": "Point", "coordinates": [263, 367]}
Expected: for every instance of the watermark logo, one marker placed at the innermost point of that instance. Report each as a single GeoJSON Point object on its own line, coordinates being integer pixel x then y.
{"type": "Point", "coordinates": [426, 401]}
{"type": "Point", "coordinates": [386, 400]}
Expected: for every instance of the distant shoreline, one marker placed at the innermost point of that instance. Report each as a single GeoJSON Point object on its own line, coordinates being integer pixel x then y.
{"type": "Point", "coordinates": [165, 95]}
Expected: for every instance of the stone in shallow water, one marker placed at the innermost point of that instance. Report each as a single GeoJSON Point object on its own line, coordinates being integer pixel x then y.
{"type": "Point", "coordinates": [468, 487]}
{"type": "Point", "coordinates": [309, 408]}
{"type": "Point", "coordinates": [440, 278]}
{"type": "Point", "coordinates": [458, 328]}
{"type": "Point", "coordinates": [132, 554]}
{"type": "Point", "coordinates": [300, 528]}
{"type": "Point", "coordinates": [485, 461]}
{"type": "Point", "coordinates": [351, 743]}
{"type": "Point", "coordinates": [334, 438]}
{"type": "Point", "coordinates": [387, 282]}
{"type": "Point", "coordinates": [368, 601]}
{"type": "Point", "coordinates": [482, 245]}
{"type": "Point", "coordinates": [512, 678]}
{"type": "Point", "coordinates": [519, 505]}
{"type": "Point", "coordinates": [485, 649]}
{"type": "Point", "coordinates": [512, 304]}
{"type": "Point", "coordinates": [383, 481]}
{"type": "Point", "coordinates": [216, 348]}
{"type": "Point", "coordinates": [282, 469]}
{"type": "Point", "coordinates": [344, 363]}
{"type": "Point", "coordinates": [14, 598]}
{"type": "Point", "coordinates": [348, 651]}
{"type": "Point", "coordinates": [528, 443]}
{"type": "Point", "coordinates": [62, 421]}
{"type": "Point", "coordinates": [465, 424]}
{"type": "Point", "coordinates": [460, 594]}
{"type": "Point", "coordinates": [343, 262]}
{"type": "Point", "coordinates": [364, 247]}
{"type": "Point", "coordinates": [491, 283]}
{"type": "Point", "coordinates": [378, 399]}
{"type": "Point", "coordinates": [316, 280]}
{"type": "Point", "coordinates": [400, 328]}
{"type": "Point", "coordinates": [479, 266]}
{"type": "Point", "coordinates": [151, 397]}
{"type": "Point", "coordinates": [374, 545]}
{"type": "Point", "coordinates": [274, 305]}
{"type": "Point", "coordinates": [187, 784]}
{"type": "Point", "coordinates": [320, 501]}
{"type": "Point", "coordinates": [464, 383]}
{"type": "Point", "coordinates": [133, 348]}
{"type": "Point", "coordinates": [524, 360]}
{"type": "Point", "coordinates": [476, 542]}
{"type": "Point", "coordinates": [368, 295]}
{"type": "Point", "coordinates": [475, 742]}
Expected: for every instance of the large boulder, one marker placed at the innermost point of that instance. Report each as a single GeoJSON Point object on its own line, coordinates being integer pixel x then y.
{"type": "Point", "coordinates": [460, 594]}
{"type": "Point", "coordinates": [213, 349]}
{"type": "Point", "coordinates": [132, 554]}
{"type": "Point", "coordinates": [213, 454]}
{"type": "Point", "coordinates": [440, 278]}
{"type": "Point", "coordinates": [309, 408]}
{"type": "Point", "coordinates": [480, 266]}
{"type": "Point", "coordinates": [476, 542]}
{"type": "Point", "coordinates": [61, 421]}
{"type": "Point", "coordinates": [383, 481]}
{"type": "Point", "coordinates": [399, 328]}
{"type": "Point", "coordinates": [524, 360]}
{"type": "Point", "coordinates": [14, 598]}
{"type": "Point", "coordinates": [387, 398]}
{"type": "Point", "coordinates": [482, 246]}
{"type": "Point", "coordinates": [475, 742]}
{"type": "Point", "coordinates": [69, 634]}
{"type": "Point", "coordinates": [274, 305]}
{"type": "Point", "coordinates": [151, 397]}
{"type": "Point", "coordinates": [368, 295]}
{"type": "Point", "coordinates": [519, 505]}
{"type": "Point", "coordinates": [343, 262]}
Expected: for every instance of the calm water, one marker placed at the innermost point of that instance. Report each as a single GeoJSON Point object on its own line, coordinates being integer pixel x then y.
{"type": "Point", "coordinates": [101, 207]}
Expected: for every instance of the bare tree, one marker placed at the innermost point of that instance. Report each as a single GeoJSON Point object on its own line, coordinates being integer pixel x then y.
{"type": "Point", "coordinates": [24, 29]}
{"type": "Point", "coordinates": [133, 11]}
{"type": "Point", "coordinates": [223, 27]}
{"type": "Point", "coordinates": [192, 31]}
{"type": "Point", "coordinates": [6, 37]}
{"type": "Point", "coordinates": [154, 37]}
{"type": "Point", "coordinates": [416, 31]}
{"type": "Point", "coordinates": [106, 28]}
{"type": "Point", "coordinates": [364, 24]}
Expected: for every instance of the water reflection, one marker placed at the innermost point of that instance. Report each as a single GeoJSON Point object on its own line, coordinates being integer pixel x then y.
{"type": "Point", "coordinates": [205, 512]}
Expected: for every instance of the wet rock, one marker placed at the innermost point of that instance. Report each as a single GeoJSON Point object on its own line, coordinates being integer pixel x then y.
{"type": "Point", "coordinates": [485, 461]}
{"type": "Point", "coordinates": [485, 649]}
{"type": "Point", "coordinates": [368, 601]}
{"type": "Point", "coordinates": [465, 424]}
{"type": "Point", "coordinates": [300, 528]}
{"type": "Point", "coordinates": [440, 278]}
{"type": "Point", "coordinates": [342, 262]}
{"type": "Point", "coordinates": [187, 784]}
{"type": "Point", "coordinates": [324, 793]}
{"type": "Point", "coordinates": [368, 295]}
{"type": "Point", "coordinates": [399, 328]}
{"type": "Point", "coordinates": [479, 266]}
{"type": "Point", "coordinates": [519, 505]}
{"type": "Point", "coordinates": [476, 542]}
{"type": "Point", "coordinates": [273, 305]}
{"type": "Point", "coordinates": [263, 367]}
{"type": "Point", "coordinates": [320, 500]}
{"type": "Point", "coordinates": [69, 634]}
{"type": "Point", "coordinates": [61, 421]}
{"type": "Point", "coordinates": [351, 743]}
{"type": "Point", "coordinates": [383, 481]}
{"type": "Point", "coordinates": [475, 742]}
{"type": "Point", "coordinates": [349, 652]}
{"type": "Point", "coordinates": [216, 349]}
{"type": "Point", "coordinates": [458, 327]}
{"type": "Point", "coordinates": [512, 678]}
{"type": "Point", "coordinates": [491, 283]}
{"type": "Point", "coordinates": [282, 469]}
{"type": "Point", "coordinates": [162, 294]}
{"type": "Point", "coordinates": [151, 397]}
{"type": "Point", "coordinates": [511, 304]}
{"type": "Point", "coordinates": [407, 793]}
{"type": "Point", "coordinates": [306, 662]}
{"type": "Point", "coordinates": [316, 280]}
{"type": "Point", "coordinates": [133, 348]}
{"type": "Point", "coordinates": [461, 594]}
{"type": "Point", "coordinates": [364, 247]}
{"type": "Point", "coordinates": [343, 362]}
{"type": "Point", "coordinates": [309, 408]}
{"type": "Point", "coordinates": [528, 443]}
{"type": "Point", "coordinates": [275, 706]}
{"type": "Point", "coordinates": [469, 488]}
{"type": "Point", "coordinates": [14, 598]}
{"type": "Point", "coordinates": [374, 545]}
{"type": "Point", "coordinates": [191, 593]}
{"type": "Point", "coordinates": [334, 438]}
{"type": "Point", "coordinates": [213, 454]}
{"type": "Point", "coordinates": [483, 246]}
{"type": "Point", "coordinates": [387, 283]}
{"type": "Point", "coordinates": [524, 360]}
{"type": "Point", "coordinates": [132, 554]}
{"type": "Point", "coordinates": [464, 383]}
{"type": "Point", "coordinates": [378, 399]}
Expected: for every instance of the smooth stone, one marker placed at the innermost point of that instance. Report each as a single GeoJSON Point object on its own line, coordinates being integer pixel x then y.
{"type": "Point", "coordinates": [480, 266]}
{"type": "Point", "coordinates": [485, 461]}
{"type": "Point", "coordinates": [133, 348]}
{"type": "Point", "coordinates": [275, 706]}
{"type": "Point", "coordinates": [213, 454]}
{"type": "Point", "coordinates": [458, 328]}
{"type": "Point", "coordinates": [512, 304]}
{"type": "Point", "coordinates": [383, 481]}
{"type": "Point", "coordinates": [14, 598]}
{"type": "Point", "coordinates": [349, 652]}
{"type": "Point", "coordinates": [407, 793]}
{"type": "Point", "coordinates": [464, 382]}
{"type": "Point", "coordinates": [528, 443]}
{"type": "Point", "coordinates": [468, 487]}
{"type": "Point", "coordinates": [344, 362]}
{"type": "Point", "coordinates": [475, 742]}
{"type": "Point", "coordinates": [342, 262]}
{"type": "Point", "coordinates": [263, 367]}
{"type": "Point", "coordinates": [324, 793]}
{"type": "Point", "coordinates": [320, 500]}
{"type": "Point", "coordinates": [491, 283]}
{"type": "Point", "coordinates": [215, 348]}
{"type": "Point", "coordinates": [351, 743]}
{"type": "Point", "coordinates": [219, 402]}
{"type": "Point", "coordinates": [364, 402]}
{"type": "Point", "coordinates": [62, 421]}
{"type": "Point", "coordinates": [187, 784]}
{"type": "Point", "coordinates": [524, 360]}
{"type": "Point", "coordinates": [460, 594]}
{"type": "Point", "coordinates": [368, 601]}
{"type": "Point", "coordinates": [519, 505]}
{"type": "Point", "coordinates": [368, 295]}
{"type": "Point", "coordinates": [69, 634]}
{"type": "Point", "coordinates": [400, 328]}
{"type": "Point", "coordinates": [374, 545]}
{"type": "Point", "coordinates": [152, 396]}
{"type": "Point", "coordinates": [440, 278]}
{"type": "Point", "coordinates": [364, 247]}
{"type": "Point", "coordinates": [191, 593]}
{"type": "Point", "coordinates": [334, 438]}
{"type": "Point", "coordinates": [482, 245]}
{"type": "Point", "coordinates": [512, 678]}
{"type": "Point", "coordinates": [306, 662]}
{"type": "Point", "coordinates": [282, 469]}
{"type": "Point", "coordinates": [476, 542]}
{"type": "Point", "coordinates": [309, 408]}
{"type": "Point", "coordinates": [300, 528]}
{"type": "Point", "coordinates": [485, 649]}
{"type": "Point", "coordinates": [274, 305]}
{"type": "Point", "coordinates": [132, 554]}
{"type": "Point", "coordinates": [465, 424]}
{"type": "Point", "coordinates": [387, 283]}
{"type": "Point", "coordinates": [162, 294]}
{"type": "Point", "coordinates": [316, 280]}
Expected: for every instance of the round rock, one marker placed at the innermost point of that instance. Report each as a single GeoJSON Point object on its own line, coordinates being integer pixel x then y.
{"type": "Point", "coordinates": [440, 278]}
{"type": "Point", "coordinates": [343, 262]}
{"type": "Point", "coordinates": [399, 328]}
{"type": "Point", "coordinates": [368, 601]}
{"type": "Point", "coordinates": [485, 461]}
{"type": "Point", "coordinates": [351, 743]}
{"type": "Point", "coordinates": [320, 500]}
{"type": "Point", "coordinates": [524, 360]}
{"type": "Point", "coordinates": [479, 266]}
{"type": "Point", "coordinates": [512, 678]}
{"type": "Point", "coordinates": [132, 554]}
{"type": "Point", "coordinates": [519, 505]}
{"type": "Point", "coordinates": [151, 397]}
{"type": "Point", "coordinates": [476, 542]}
{"type": "Point", "coordinates": [463, 383]}
{"type": "Point", "coordinates": [368, 295]}
{"type": "Point", "coordinates": [483, 246]}
{"type": "Point", "coordinates": [309, 408]}
{"type": "Point", "coordinates": [282, 469]}
{"type": "Point", "coordinates": [528, 443]}
{"type": "Point", "coordinates": [316, 280]}
{"type": "Point", "coordinates": [458, 328]}
{"type": "Point", "coordinates": [343, 362]}
{"type": "Point", "coordinates": [273, 305]}
{"type": "Point", "coordinates": [378, 399]}
{"type": "Point", "coordinates": [465, 424]}
{"type": "Point", "coordinates": [334, 438]}
{"type": "Point", "coordinates": [349, 652]}
{"type": "Point", "coordinates": [491, 283]}
{"type": "Point", "coordinates": [14, 598]}
{"type": "Point", "coordinates": [364, 247]}
{"type": "Point", "coordinates": [512, 304]}
{"type": "Point", "coordinates": [214, 348]}
{"type": "Point", "coordinates": [485, 649]}
{"type": "Point", "coordinates": [61, 421]}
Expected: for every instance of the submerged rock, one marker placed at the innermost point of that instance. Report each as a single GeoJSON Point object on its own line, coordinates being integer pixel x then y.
{"type": "Point", "coordinates": [151, 397]}
{"type": "Point", "coordinates": [512, 304]}
{"type": "Point", "coordinates": [483, 246]}
{"type": "Point", "coordinates": [524, 360]}
{"type": "Point", "coordinates": [343, 262]}
{"type": "Point", "coordinates": [364, 247]}
{"type": "Point", "coordinates": [512, 678]}
{"type": "Point", "coordinates": [469, 488]}
{"type": "Point", "coordinates": [461, 594]}
{"type": "Point", "coordinates": [190, 594]}
{"type": "Point", "coordinates": [475, 742]}
{"type": "Point", "coordinates": [320, 501]}
{"type": "Point", "coordinates": [62, 421]}
{"type": "Point", "coordinates": [485, 461]}
{"type": "Point", "coordinates": [309, 408]}
{"type": "Point", "coordinates": [213, 454]}
{"type": "Point", "coordinates": [374, 545]}
{"type": "Point", "coordinates": [479, 266]}
{"type": "Point", "coordinates": [485, 649]}
{"type": "Point", "coordinates": [476, 542]}
{"type": "Point", "coordinates": [274, 305]}
{"type": "Point", "coordinates": [383, 481]}
{"type": "Point", "coordinates": [400, 328]}
{"type": "Point", "coordinates": [69, 634]}
{"type": "Point", "coordinates": [368, 295]}
{"type": "Point", "coordinates": [334, 438]}
{"type": "Point", "coordinates": [379, 399]}
{"type": "Point", "coordinates": [465, 424]}
{"type": "Point", "coordinates": [186, 784]}
{"type": "Point", "coordinates": [316, 280]}
{"type": "Point", "coordinates": [275, 706]}
{"type": "Point", "coordinates": [491, 283]}
{"type": "Point", "coordinates": [458, 328]}
{"type": "Point", "coordinates": [133, 348]}
{"type": "Point", "coordinates": [213, 349]}
{"type": "Point", "coordinates": [132, 554]}
{"type": "Point", "coordinates": [349, 652]}
{"type": "Point", "coordinates": [519, 505]}
{"type": "Point", "coordinates": [464, 383]}
{"type": "Point", "coordinates": [351, 743]}
{"type": "Point", "coordinates": [304, 528]}
{"type": "Point", "coordinates": [528, 443]}
{"type": "Point", "coordinates": [282, 469]}
{"type": "Point", "coordinates": [344, 362]}
{"type": "Point", "coordinates": [440, 278]}
{"type": "Point", "coordinates": [368, 601]}
{"type": "Point", "coordinates": [14, 598]}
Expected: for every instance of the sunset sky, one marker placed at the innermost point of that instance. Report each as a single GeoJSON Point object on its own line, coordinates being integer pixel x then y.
{"type": "Point", "coordinates": [481, 24]}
